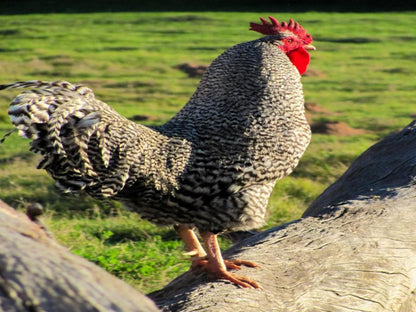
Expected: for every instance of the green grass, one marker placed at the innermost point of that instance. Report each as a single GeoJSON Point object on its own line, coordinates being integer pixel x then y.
{"type": "Point", "coordinates": [363, 72]}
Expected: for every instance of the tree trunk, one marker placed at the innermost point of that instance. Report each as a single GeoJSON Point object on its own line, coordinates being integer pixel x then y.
{"type": "Point", "coordinates": [354, 249]}
{"type": "Point", "coordinates": [37, 274]}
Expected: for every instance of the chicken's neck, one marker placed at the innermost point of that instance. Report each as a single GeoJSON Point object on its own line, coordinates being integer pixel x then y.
{"type": "Point", "coordinates": [247, 92]}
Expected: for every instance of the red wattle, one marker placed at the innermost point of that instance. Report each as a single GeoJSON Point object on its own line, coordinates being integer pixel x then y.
{"type": "Point", "coordinates": [300, 58]}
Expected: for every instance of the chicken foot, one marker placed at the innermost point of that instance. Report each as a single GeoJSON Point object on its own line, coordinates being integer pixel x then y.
{"type": "Point", "coordinates": [210, 259]}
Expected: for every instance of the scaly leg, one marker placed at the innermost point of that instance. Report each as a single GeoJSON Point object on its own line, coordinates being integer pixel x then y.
{"type": "Point", "coordinates": [192, 244]}
{"type": "Point", "coordinates": [216, 266]}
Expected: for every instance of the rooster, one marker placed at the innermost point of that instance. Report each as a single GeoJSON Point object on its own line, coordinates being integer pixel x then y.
{"type": "Point", "coordinates": [210, 168]}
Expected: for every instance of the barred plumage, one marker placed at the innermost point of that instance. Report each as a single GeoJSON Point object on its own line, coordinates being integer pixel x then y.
{"type": "Point", "coordinates": [212, 166]}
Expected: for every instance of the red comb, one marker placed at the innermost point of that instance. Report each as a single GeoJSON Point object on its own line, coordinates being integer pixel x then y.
{"type": "Point", "coordinates": [274, 27]}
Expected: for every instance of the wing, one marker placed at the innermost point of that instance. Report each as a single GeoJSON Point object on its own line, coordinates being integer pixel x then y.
{"type": "Point", "coordinates": [84, 142]}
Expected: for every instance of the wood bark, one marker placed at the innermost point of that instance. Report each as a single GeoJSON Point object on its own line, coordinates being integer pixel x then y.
{"type": "Point", "coordinates": [37, 274]}
{"type": "Point", "coordinates": [354, 249]}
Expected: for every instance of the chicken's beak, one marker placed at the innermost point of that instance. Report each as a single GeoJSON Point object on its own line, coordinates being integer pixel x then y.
{"type": "Point", "coordinates": [309, 47]}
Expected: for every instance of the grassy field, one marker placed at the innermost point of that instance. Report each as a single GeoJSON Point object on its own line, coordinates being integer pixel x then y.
{"type": "Point", "coordinates": [362, 74]}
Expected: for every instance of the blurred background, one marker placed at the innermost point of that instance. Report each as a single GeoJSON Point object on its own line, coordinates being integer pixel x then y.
{"type": "Point", "coordinates": [77, 6]}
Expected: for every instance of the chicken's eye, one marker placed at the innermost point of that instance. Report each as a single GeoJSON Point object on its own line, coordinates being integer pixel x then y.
{"type": "Point", "coordinates": [289, 40]}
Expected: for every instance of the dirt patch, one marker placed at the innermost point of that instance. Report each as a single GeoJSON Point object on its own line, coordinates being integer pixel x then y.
{"type": "Point", "coordinates": [312, 109]}
{"type": "Point", "coordinates": [316, 109]}
{"type": "Point", "coordinates": [192, 70]}
{"type": "Point", "coordinates": [335, 128]}
{"type": "Point", "coordinates": [314, 73]}
{"type": "Point", "coordinates": [328, 127]}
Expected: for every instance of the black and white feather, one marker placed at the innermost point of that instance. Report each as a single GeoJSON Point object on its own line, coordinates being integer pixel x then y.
{"type": "Point", "coordinates": [212, 166]}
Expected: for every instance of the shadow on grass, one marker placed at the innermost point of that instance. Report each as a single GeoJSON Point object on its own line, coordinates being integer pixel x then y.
{"type": "Point", "coordinates": [126, 233]}
{"type": "Point", "coordinates": [25, 156]}
{"type": "Point", "coordinates": [358, 40]}
{"type": "Point", "coordinates": [9, 32]}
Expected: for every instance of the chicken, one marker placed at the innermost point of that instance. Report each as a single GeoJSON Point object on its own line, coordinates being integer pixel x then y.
{"type": "Point", "coordinates": [211, 168]}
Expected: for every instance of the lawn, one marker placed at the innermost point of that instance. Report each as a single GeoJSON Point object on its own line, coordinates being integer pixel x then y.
{"type": "Point", "coordinates": [362, 74]}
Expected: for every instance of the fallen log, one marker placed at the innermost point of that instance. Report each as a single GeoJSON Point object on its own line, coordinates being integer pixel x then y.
{"type": "Point", "coordinates": [37, 274]}
{"type": "Point", "coordinates": [354, 249]}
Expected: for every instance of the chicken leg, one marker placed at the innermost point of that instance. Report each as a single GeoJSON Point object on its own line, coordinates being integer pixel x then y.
{"type": "Point", "coordinates": [192, 244]}
{"type": "Point", "coordinates": [211, 260]}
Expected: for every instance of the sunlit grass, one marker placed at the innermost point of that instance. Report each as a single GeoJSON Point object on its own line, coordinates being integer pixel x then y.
{"type": "Point", "coordinates": [125, 245]}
